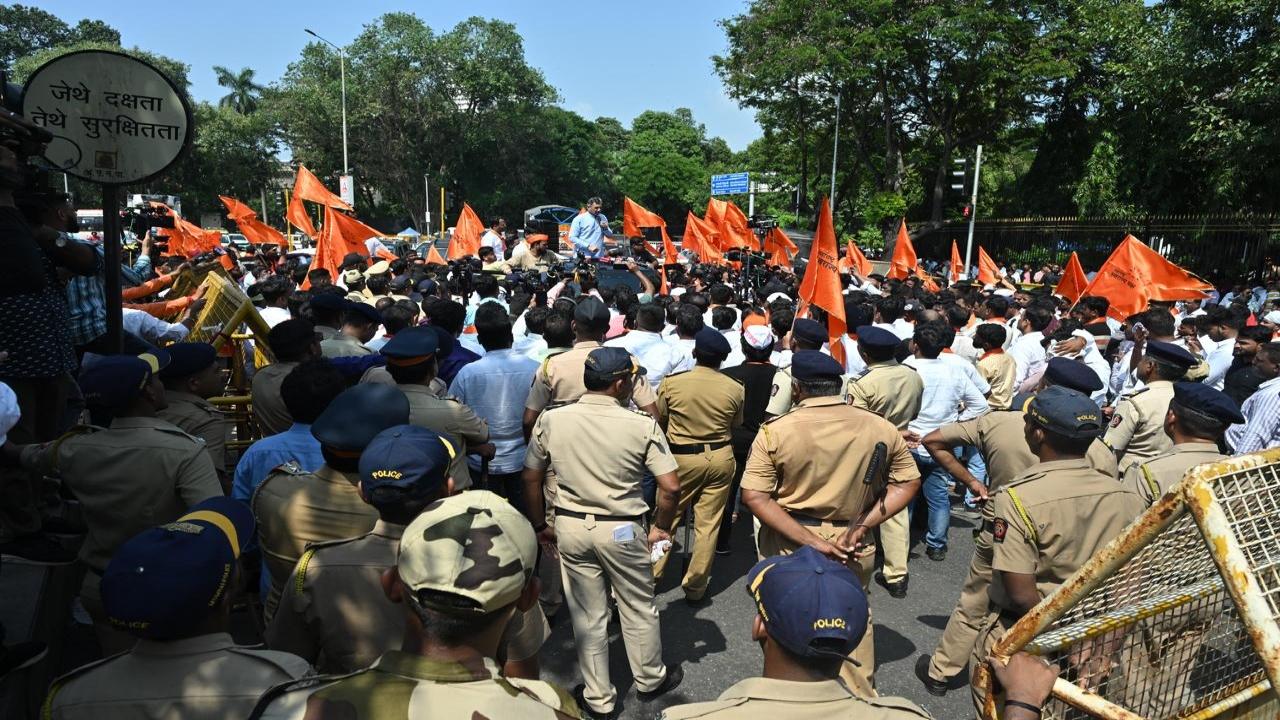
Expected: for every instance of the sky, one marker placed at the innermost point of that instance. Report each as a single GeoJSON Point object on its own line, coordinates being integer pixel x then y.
{"type": "Point", "coordinates": [615, 59]}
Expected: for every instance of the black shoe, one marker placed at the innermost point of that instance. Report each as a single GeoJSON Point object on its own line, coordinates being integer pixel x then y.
{"type": "Point", "coordinates": [587, 712]}
{"type": "Point", "coordinates": [21, 656]}
{"type": "Point", "coordinates": [675, 675]}
{"type": "Point", "coordinates": [936, 554]}
{"type": "Point", "coordinates": [36, 550]}
{"type": "Point", "coordinates": [937, 688]}
{"type": "Point", "coordinates": [897, 590]}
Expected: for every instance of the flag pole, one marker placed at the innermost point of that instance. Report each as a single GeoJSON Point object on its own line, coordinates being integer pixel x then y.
{"type": "Point", "coordinates": [973, 212]}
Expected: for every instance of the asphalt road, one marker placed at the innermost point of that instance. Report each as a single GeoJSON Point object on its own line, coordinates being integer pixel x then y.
{"type": "Point", "coordinates": [714, 644]}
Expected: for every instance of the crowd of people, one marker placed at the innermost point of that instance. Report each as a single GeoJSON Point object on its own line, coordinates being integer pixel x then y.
{"type": "Point", "coordinates": [446, 459]}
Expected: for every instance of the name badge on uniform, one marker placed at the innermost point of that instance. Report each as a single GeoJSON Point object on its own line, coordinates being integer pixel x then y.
{"type": "Point", "coordinates": [624, 533]}
{"type": "Point", "coordinates": [998, 529]}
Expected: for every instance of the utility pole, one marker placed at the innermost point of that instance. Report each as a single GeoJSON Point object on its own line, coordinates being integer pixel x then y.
{"type": "Point", "coordinates": [342, 70]}
{"type": "Point", "coordinates": [973, 210]}
{"type": "Point", "coordinates": [426, 197]}
{"type": "Point", "coordinates": [835, 147]}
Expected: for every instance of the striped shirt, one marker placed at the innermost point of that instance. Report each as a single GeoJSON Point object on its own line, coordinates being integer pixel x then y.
{"type": "Point", "coordinates": [1261, 428]}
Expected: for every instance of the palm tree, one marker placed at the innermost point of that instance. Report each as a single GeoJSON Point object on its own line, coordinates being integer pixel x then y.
{"type": "Point", "coordinates": [243, 95]}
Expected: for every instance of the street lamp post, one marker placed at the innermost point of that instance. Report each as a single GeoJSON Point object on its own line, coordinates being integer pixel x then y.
{"type": "Point", "coordinates": [342, 70]}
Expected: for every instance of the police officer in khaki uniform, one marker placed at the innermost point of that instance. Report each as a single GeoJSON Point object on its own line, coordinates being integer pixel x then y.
{"type": "Point", "coordinates": [402, 471]}
{"type": "Point", "coordinates": [292, 342]}
{"type": "Point", "coordinates": [1053, 517]}
{"type": "Point", "coordinates": [411, 362]}
{"type": "Point", "coordinates": [466, 565]}
{"type": "Point", "coordinates": [1195, 422]}
{"type": "Point", "coordinates": [893, 391]}
{"type": "Point", "coordinates": [295, 508]}
{"type": "Point", "coordinates": [171, 587]}
{"type": "Point", "coordinates": [136, 474]}
{"type": "Point", "coordinates": [600, 522]}
{"type": "Point", "coordinates": [824, 475]}
{"type": "Point", "coordinates": [806, 334]}
{"type": "Point", "coordinates": [1000, 436]}
{"type": "Point", "coordinates": [699, 409]}
{"type": "Point", "coordinates": [811, 613]}
{"type": "Point", "coordinates": [192, 376]}
{"type": "Point", "coordinates": [1137, 432]}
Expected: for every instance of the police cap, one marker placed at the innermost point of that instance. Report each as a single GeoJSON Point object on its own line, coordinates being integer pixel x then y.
{"type": "Point", "coordinates": [187, 359]}
{"type": "Point", "coordinates": [411, 346]}
{"type": "Point", "coordinates": [332, 302]}
{"type": "Point", "coordinates": [405, 460]}
{"type": "Point", "coordinates": [612, 363]}
{"type": "Point", "coordinates": [1200, 398]}
{"type": "Point", "coordinates": [810, 604]}
{"type": "Point", "coordinates": [358, 414]}
{"type": "Point", "coordinates": [814, 365]}
{"type": "Point", "coordinates": [809, 331]}
{"type": "Point", "coordinates": [1170, 354]}
{"type": "Point", "coordinates": [1072, 374]}
{"type": "Point", "coordinates": [879, 338]}
{"type": "Point", "coordinates": [591, 312]}
{"type": "Point", "coordinates": [368, 312]}
{"type": "Point", "coordinates": [115, 380]}
{"type": "Point", "coordinates": [709, 341]}
{"type": "Point", "coordinates": [1065, 412]}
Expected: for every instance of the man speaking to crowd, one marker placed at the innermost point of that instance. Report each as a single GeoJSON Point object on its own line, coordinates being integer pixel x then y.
{"type": "Point", "coordinates": [588, 230]}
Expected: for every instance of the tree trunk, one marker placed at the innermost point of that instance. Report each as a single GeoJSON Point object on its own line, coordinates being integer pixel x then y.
{"type": "Point", "coordinates": [804, 164]}
{"type": "Point", "coordinates": [893, 165]}
{"type": "Point", "coordinates": [940, 185]}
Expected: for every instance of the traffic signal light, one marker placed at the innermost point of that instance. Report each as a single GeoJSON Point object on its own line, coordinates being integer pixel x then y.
{"type": "Point", "coordinates": [968, 210]}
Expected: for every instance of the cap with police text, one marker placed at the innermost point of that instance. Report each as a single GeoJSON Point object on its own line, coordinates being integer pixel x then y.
{"type": "Point", "coordinates": [165, 580]}
{"type": "Point", "coordinates": [411, 346]}
{"type": "Point", "coordinates": [810, 604]}
{"type": "Point", "coordinates": [473, 545]}
{"type": "Point", "coordinates": [814, 365]}
{"type": "Point", "coordinates": [810, 331]}
{"type": "Point", "coordinates": [1065, 412]}
{"type": "Point", "coordinates": [114, 380]}
{"type": "Point", "coordinates": [187, 359]}
{"type": "Point", "coordinates": [1072, 374]}
{"type": "Point", "coordinates": [1204, 400]}
{"type": "Point", "coordinates": [1170, 354]}
{"type": "Point", "coordinates": [874, 337]}
{"type": "Point", "coordinates": [612, 362]}
{"type": "Point", "coordinates": [404, 460]}
{"type": "Point", "coordinates": [358, 414]}
{"type": "Point", "coordinates": [710, 341]}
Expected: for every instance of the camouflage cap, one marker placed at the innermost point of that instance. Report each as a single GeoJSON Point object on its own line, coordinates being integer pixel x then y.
{"type": "Point", "coordinates": [473, 545]}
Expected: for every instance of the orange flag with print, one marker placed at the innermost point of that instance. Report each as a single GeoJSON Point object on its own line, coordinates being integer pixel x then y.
{"type": "Point", "coordinates": [821, 284]}
{"type": "Point", "coordinates": [1073, 281]}
{"type": "Point", "coordinates": [858, 262]}
{"type": "Point", "coordinates": [779, 247]}
{"type": "Point", "coordinates": [729, 220]}
{"type": "Point", "coordinates": [306, 186]}
{"type": "Point", "coordinates": [988, 270]}
{"type": "Point", "coordinates": [466, 234]}
{"type": "Point", "coordinates": [1135, 274]}
{"type": "Point", "coordinates": [701, 237]}
{"type": "Point", "coordinates": [341, 234]}
{"type": "Point", "coordinates": [957, 265]}
{"type": "Point", "coordinates": [904, 259]}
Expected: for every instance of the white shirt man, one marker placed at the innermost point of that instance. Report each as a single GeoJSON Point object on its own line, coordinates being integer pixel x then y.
{"type": "Point", "coordinates": [493, 238]}
{"type": "Point", "coordinates": [1028, 350]}
{"type": "Point", "coordinates": [658, 356]}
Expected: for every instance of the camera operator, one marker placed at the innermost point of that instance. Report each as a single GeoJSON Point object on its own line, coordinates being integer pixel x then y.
{"type": "Point", "coordinates": [39, 358]}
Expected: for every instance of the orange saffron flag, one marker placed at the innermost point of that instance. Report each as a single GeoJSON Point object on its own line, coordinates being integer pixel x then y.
{"type": "Point", "coordinates": [296, 213]}
{"type": "Point", "coordinates": [927, 280]}
{"type": "Point", "coordinates": [340, 235]}
{"type": "Point", "coordinates": [635, 218]}
{"type": "Point", "coordinates": [701, 237]}
{"type": "Point", "coordinates": [904, 255]}
{"type": "Point", "coordinates": [821, 284]}
{"type": "Point", "coordinates": [306, 186]}
{"type": "Point", "coordinates": [1073, 281]}
{"type": "Point", "coordinates": [260, 233]}
{"type": "Point", "coordinates": [988, 270]}
{"type": "Point", "coordinates": [957, 264]}
{"type": "Point", "coordinates": [858, 262]}
{"type": "Point", "coordinates": [237, 209]}
{"type": "Point", "coordinates": [466, 234]}
{"type": "Point", "coordinates": [779, 247]}
{"type": "Point", "coordinates": [729, 220]}
{"type": "Point", "coordinates": [434, 257]}
{"type": "Point", "coordinates": [1135, 274]}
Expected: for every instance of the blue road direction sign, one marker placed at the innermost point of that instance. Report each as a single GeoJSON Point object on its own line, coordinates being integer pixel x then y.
{"type": "Point", "coordinates": [731, 184]}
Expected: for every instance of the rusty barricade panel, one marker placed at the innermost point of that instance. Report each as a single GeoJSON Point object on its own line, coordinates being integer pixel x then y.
{"type": "Point", "coordinates": [1176, 618]}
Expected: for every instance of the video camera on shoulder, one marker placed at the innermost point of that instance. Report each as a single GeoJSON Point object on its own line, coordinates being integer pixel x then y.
{"type": "Point", "coordinates": [762, 222]}
{"type": "Point", "coordinates": [142, 217]}
{"type": "Point", "coordinates": [26, 140]}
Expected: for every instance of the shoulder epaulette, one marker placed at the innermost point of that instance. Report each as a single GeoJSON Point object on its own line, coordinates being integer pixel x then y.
{"type": "Point", "coordinates": [702, 709]}
{"type": "Point", "coordinates": [272, 694]}
{"type": "Point", "coordinates": [1139, 391]}
{"type": "Point", "coordinates": [267, 656]}
{"type": "Point", "coordinates": [897, 703]}
{"type": "Point", "coordinates": [674, 374]}
{"type": "Point", "coordinates": [46, 708]}
{"type": "Point", "coordinates": [1022, 513]}
{"type": "Point", "coordinates": [1152, 485]}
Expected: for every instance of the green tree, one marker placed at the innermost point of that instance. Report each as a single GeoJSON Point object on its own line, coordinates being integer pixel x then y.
{"type": "Point", "coordinates": [26, 30]}
{"type": "Point", "coordinates": [243, 91]}
{"type": "Point", "coordinates": [668, 163]}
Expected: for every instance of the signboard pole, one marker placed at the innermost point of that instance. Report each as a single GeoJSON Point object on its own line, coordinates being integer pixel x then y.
{"type": "Point", "coordinates": [111, 265]}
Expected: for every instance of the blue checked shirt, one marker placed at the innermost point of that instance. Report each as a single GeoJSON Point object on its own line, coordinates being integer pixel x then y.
{"type": "Point", "coordinates": [86, 300]}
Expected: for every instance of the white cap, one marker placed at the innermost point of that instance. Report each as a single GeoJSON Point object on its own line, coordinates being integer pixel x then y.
{"type": "Point", "coordinates": [1004, 292]}
{"type": "Point", "coordinates": [9, 412]}
{"type": "Point", "coordinates": [677, 291]}
{"type": "Point", "coordinates": [777, 296]}
{"type": "Point", "coordinates": [1272, 317]}
{"type": "Point", "coordinates": [758, 336]}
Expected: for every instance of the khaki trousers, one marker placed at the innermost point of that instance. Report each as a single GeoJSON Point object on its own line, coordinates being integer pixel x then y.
{"type": "Point", "coordinates": [993, 628]}
{"type": "Point", "coordinates": [966, 621]}
{"type": "Point", "coordinates": [861, 677]}
{"type": "Point", "coordinates": [895, 539]}
{"type": "Point", "coordinates": [705, 480]}
{"type": "Point", "coordinates": [594, 556]}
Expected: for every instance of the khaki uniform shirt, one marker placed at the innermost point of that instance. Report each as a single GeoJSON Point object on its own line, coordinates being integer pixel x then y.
{"type": "Point", "coordinates": [594, 478]}
{"type": "Point", "coordinates": [1000, 438]}
{"type": "Point", "coordinates": [199, 418]}
{"type": "Point", "coordinates": [759, 697]}
{"type": "Point", "coordinates": [1157, 476]}
{"type": "Point", "coordinates": [999, 370]}
{"type": "Point", "coordinates": [1137, 426]}
{"type": "Point", "coordinates": [700, 406]}
{"type": "Point", "coordinates": [1066, 511]}
{"type": "Point", "coordinates": [295, 508]}
{"type": "Point", "coordinates": [559, 381]}
{"type": "Point", "coordinates": [814, 459]}
{"type": "Point", "coordinates": [400, 686]}
{"type": "Point", "coordinates": [342, 345]}
{"type": "Point", "coordinates": [527, 261]}
{"type": "Point", "coordinates": [140, 473]}
{"type": "Point", "coordinates": [206, 677]}
{"type": "Point", "coordinates": [889, 389]}
{"type": "Point", "coordinates": [378, 374]}
{"type": "Point", "coordinates": [315, 619]}
{"type": "Point", "coordinates": [268, 406]}
{"type": "Point", "coordinates": [449, 417]}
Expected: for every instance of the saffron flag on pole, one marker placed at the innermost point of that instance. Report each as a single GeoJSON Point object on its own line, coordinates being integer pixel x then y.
{"type": "Point", "coordinates": [307, 186]}
{"type": "Point", "coordinates": [927, 281]}
{"type": "Point", "coordinates": [858, 262]}
{"type": "Point", "coordinates": [237, 209]}
{"type": "Point", "coordinates": [341, 234]}
{"type": "Point", "coordinates": [466, 234]}
{"type": "Point", "coordinates": [1135, 274]}
{"type": "Point", "coordinates": [254, 230]}
{"type": "Point", "coordinates": [296, 213]}
{"type": "Point", "coordinates": [904, 259]}
{"type": "Point", "coordinates": [779, 247]}
{"type": "Point", "coordinates": [957, 264]}
{"type": "Point", "coordinates": [988, 271]}
{"type": "Point", "coordinates": [1073, 281]}
{"type": "Point", "coordinates": [701, 237]}
{"type": "Point", "coordinates": [434, 257]}
{"type": "Point", "coordinates": [821, 284]}
{"type": "Point", "coordinates": [635, 218]}
{"type": "Point", "coordinates": [729, 220]}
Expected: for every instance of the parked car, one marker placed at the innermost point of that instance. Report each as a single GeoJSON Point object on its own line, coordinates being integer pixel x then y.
{"type": "Point", "coordinates": [236, 240]}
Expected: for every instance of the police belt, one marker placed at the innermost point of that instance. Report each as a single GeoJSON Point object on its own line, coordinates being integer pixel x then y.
{"type": "Point", "coordinates": [696, 448]}
{"type": "Point", "coordinates": [562, 512]}
{"type": "Point", "coordinates": [810, 521]}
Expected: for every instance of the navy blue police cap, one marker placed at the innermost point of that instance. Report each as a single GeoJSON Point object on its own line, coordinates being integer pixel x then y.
{"type": "Point", "coordinates": [332, 302]}
{"type": "Point", "coordinates": [612, 362]}
{"type": "Point", "coordinates": [411, 346]}
{"type": "Point", "coordinates": [1065, 412]}
{"type": "Point", "coordinates": [358, 414]}
{"type": "Point", "coordinates": [709, 341]}
{"type": "Point", "coordinates": [1170, 354]}
{"type": "Point", "coordinates": [187, 359]}
{"type": "Point", "coordinates": [874, 337]}
{"type": "Point", "coordinates": [114, 381]}
{"type": "Point", "coordinates": [814, 365]}
{"type": "Point", "coordinates": [810, 331]}
{"type": "Point", "coordinates": [1072, 374]}
{"type": "Point", "coordinates": [365, 310]}
{"type": "Point", "coordinates": [810, 604]}
{"type": "Point", "coordinates": [405, 460]}
{"type": "Point", "coordinates": [1200, 398]}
